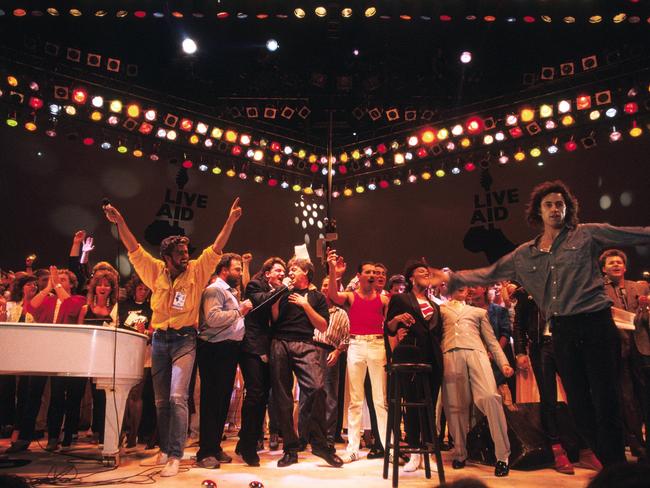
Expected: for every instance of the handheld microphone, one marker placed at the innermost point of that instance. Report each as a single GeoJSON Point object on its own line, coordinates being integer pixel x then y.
{"type": "Point", "coordinates": [105, 202]}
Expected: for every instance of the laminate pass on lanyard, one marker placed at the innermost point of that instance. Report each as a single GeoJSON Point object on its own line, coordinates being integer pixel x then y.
{"type": "Point", "coordinates": [179, 300]}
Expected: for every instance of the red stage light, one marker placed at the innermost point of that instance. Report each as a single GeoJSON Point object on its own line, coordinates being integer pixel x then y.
{"type": "Point", "coordinates": [236, 150]}
{"type": "Point", "coordinates": [382, 149]}
{"type": "Point", "coordinates": [272, 182]}
{"type": "Point", "coordinates": [474, 125]}
{"type": "Point", "coordinates": [583, 102]}
{"type": "Point", "coordinates": [516, 132]}
{"type": "Point", "coordinates": [186, 125]}
{"type": "Point", "coordinates": [276, 146]}
{"type": "Point", "coordinates": [36, 103]}
{"type": "Point", "coordinates": [313, 168]}
{"type": "Point", "coordinates": [422, 152]}
{"type": "Point", "coordinates": [469, 166]}
{"type": "Point", "coordinates": [79, 96]}
{"type": "Point", "coordinates": [88, 141]}
{"type": "Point", "coordinates": [570, 145]}
{"type": "Point", "coordinates": [343, 169]}
{"type": "Point", "coordinates": [383, 184]}
{"type": "Point", "coordinates": [631, 108]}
{"type": "Point", "coordinates": [145, 128]}
{"type": "Point", "coordinates": [187, 164]}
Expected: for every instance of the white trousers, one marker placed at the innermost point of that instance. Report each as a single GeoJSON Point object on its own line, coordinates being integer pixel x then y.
{"type": "Point", "coordinates": [366, 354]}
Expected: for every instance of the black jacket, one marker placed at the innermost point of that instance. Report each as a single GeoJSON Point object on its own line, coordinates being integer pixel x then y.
{"type": "Point", "coordinates": [257, 338]}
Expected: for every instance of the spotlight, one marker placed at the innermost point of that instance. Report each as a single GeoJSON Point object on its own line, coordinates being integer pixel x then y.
{"type": "Point", "coordinates": [603, 97]}
{"type": "Point", "coordinates": [589, 62]}
{"type": "Point", "coordinates": [370, 12]}
{"type": "Point", "coordinates": [611, 112]}
{"type": "Point", "coordinates": [73, 55]}
{"type": "Point", "coordinates": [374, 114]}
{"type": "Point", "coordinates": [189, 46]}
{"type": "Point", "coordinates": [61, 92]}
{"type": "Point", "coordinates": [270, 112]}
{"type": "Point", "coordinates": [533, 128]}
{"type": "Point", "coordinates": [465, 57]}
{"type": "Point", "coordinates": [320, 11]}
{"type": "Point", "coordinates": [299, 14]}
{"type": "Point", "coordinates": [583, 102]}
{"type": "Point", "coordinates": [252, 112]}
{"type": "Point", "coordinates": [631, 108]}
{"type": "Point", "coordinates": [115, 106]}
{"type": "Point", "coordinates": [287, 112]}
{"type": "Point", "coordinates": [93, 60]}
{"type": "Point", "coordinates": [97, 101]}
{"type": "Point", "coordinates": [392, 114]}
{"type": "Point", "coordinates": [457, 130]}
{"type": "Point", "coordinates": [635, 131]}
{"type": "Point", "coordinates": [588, 142]}
{"type": "Point", "coordinates": [527, 114]}
{"type": "Point", "coordinates": [545, 111]}
{"type": "Point", "coordinates": [272, 45]}
{"type": "Point", "coordinates": [615, 135]}
{"type": "Point", "coordinates": [564, 106]}
{"type": "Point", "coordinates": [503, 158]}
{"type": "Point", "coordinates": [570, 145]}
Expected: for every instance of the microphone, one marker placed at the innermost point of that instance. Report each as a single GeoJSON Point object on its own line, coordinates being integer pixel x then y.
{"type": "Point", "coordinates": [105, 202]}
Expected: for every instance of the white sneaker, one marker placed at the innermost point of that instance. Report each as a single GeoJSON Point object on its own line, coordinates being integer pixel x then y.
{"type": "Point", "coordinates": [171, 468]}
{"type": "Point", "coordinates": [349, 457]}
{"type": "Point", "coordinates": [413, 464]}
{"type": "Point", "coordinates": [159, 459]}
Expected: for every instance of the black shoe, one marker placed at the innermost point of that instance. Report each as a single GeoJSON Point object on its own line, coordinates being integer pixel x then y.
{"type": "Point", "coordinates": [222, 457]}
{"type": "Point", "coordinates": [302, 445]}
{"type": "Point", "coordinates": [250, 458]}
{"type": "Point", "coordinates": [456, 464]}
{"type": "Point", "coordinates": [273, 442]}
{"type": "Point", "coordinates": [375, 453]}
{"type": "Point", "coordinates": [329, 455]}
{"type": "Point", "coordinates": [288, 459]}
{"type": "Point", "coordinates": [501, 469]}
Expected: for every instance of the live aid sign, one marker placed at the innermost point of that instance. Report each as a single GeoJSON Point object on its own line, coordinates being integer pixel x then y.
{"type": "Point", "coordinates": [491, 206]}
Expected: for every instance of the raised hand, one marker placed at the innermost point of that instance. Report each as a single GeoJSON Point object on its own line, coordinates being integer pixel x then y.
{"type": "Point", "coordinates": [523, 362]}
{"type": "Point", "coordinates": [78, 237]}
{"type": "Point", "coordinates": [112, 214]}
{"type": "Point", "coordinates": [87, 245]}
{"type": "Point", "coordinates": [235, 211]}
{"type": "Point", "coordinates": [246, 257]}
{"type": "Point", "coordinates": [332, 258]}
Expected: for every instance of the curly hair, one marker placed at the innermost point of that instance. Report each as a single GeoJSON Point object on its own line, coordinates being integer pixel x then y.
{"type": "Point", "coordinates": [132, 284]}
{"type": "Point", "coordinates": [225, 261]}
{"type": "Point", "coordinates": [94, 281]}
{"type": "Point", "coordinates": [18, 284]}
{"type": "Point", "coordinates": [533, 209]}
{"type": "Point", "coordinates": [169, 244]}
{"type": "Point", "coordinates": [409, 269]}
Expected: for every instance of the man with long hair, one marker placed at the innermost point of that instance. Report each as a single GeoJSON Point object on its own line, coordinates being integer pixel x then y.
{"type": "Point", "coordinates": [559, 269]}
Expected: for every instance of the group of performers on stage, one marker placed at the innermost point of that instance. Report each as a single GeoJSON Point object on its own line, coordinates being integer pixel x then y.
{"type": "Point", "coordinates": [553, 298]}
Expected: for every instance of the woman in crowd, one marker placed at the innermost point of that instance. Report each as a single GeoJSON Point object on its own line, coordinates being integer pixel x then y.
{"type": "Point", "coordinates": [101, 300]}
{"type": "Point", "coordinates": [135, 312]}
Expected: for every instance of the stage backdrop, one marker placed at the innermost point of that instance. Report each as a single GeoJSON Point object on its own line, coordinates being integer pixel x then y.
{"type": "Point", "coordinates": [52, 187]}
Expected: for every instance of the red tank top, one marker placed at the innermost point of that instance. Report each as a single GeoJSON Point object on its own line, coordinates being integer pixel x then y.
{"type": "Point", "coordinates": [366, 316]}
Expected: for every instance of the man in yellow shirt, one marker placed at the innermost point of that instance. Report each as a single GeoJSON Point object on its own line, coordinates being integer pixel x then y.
{"type": "Point", "coordinates": [176, 283]}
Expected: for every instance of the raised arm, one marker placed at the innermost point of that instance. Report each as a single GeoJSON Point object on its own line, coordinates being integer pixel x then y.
{"type": "Point", "coordinates": [226, 230]}
{"type": "Point", "coordinates": [340, 298]}
{"type": "Point", "coordinates": [128, 239]}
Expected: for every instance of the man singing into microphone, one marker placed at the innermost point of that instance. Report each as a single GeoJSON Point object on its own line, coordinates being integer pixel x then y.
{"type": "Point", "coordinates": [176, 283]}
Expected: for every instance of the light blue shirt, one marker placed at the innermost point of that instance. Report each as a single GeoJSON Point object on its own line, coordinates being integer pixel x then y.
{"type": "Point", "coordinates": [219, 317]}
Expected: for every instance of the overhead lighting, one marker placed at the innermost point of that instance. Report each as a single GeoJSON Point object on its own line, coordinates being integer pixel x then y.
{"type": "Point", "coordinates": [370, 12]}
{"type": "Point", "coordinates": [299, 13]}
{"type": "Point", "coordinates": [466, 57]}
{"type": "Point", "coordinates": [189, 46]}
{"type": "Point", "coordinates": [272, 45]}
{"type": "Point", "coordinates": [320, 11]}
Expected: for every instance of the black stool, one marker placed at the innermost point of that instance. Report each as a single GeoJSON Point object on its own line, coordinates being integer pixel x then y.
{"type": "Point", "coordinates": [425, 406]}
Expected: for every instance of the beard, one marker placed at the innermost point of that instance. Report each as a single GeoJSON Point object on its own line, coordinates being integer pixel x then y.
{"type": "Point", "coordinates": [232, 281]}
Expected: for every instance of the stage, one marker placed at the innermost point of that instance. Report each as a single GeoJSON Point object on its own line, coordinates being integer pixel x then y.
{"type": "Point", "coordinates": [310, 471]}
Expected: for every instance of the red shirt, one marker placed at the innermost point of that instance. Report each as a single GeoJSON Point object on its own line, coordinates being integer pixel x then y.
{"type": "Point", "coordinates": [68, 311]}
{"type": "Point", "coordinates": [366, 316]}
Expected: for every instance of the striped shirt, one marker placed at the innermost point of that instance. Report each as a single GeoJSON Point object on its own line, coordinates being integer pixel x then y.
{"type": "Point", "coordinates": [337, 334]}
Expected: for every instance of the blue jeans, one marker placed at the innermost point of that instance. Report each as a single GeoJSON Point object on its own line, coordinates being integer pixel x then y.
{"type": "Point", "coordinates": [173, 354]}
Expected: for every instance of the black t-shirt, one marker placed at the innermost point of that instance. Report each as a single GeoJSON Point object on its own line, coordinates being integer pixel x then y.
{"type": "Point", "coordinates": [293, 324]}
{"type": "Point", "coordinates": [131, 312]}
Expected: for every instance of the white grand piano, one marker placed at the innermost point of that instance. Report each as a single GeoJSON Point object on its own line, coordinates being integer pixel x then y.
{"type": "Point", "coordinates": [113, 358]}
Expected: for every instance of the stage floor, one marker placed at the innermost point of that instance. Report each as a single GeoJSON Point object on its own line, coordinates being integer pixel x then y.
{"type": "Point", "coordinates": [310, 472]}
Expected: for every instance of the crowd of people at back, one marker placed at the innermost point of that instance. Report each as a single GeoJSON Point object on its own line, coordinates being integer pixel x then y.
{"type": "Point", "coordinates": [279, 328]}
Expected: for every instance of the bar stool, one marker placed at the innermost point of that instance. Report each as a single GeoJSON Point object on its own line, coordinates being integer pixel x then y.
{"type": "Point", "coordinates": [425, 406]}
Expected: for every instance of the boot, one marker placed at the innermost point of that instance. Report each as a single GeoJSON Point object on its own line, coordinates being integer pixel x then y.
{"type": "Point", "coordinates": [562, 463]}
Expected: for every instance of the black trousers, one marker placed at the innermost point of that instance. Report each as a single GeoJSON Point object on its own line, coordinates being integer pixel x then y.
{"type": "Point", "coordinates": [305, 360]}
{"type": "Point", "coordinates": [217, 366]}
{"type": "Point", "coordinates": [7, 400]}
{"type": "Point", "coordinates": [65, 400]}
{"type": "Point", "coordinates": [632, 387]}
{"type": "Point", "coordinates": [542, 360]}
{"type": "Point", "coordinates": [587, 352]}
{"type": "Point", "coordinates": [257, 383]}
{"type": "Point", "coordinates": [35, 385]}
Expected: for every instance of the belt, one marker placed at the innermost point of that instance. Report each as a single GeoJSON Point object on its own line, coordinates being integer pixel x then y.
{"type": "Point", "coordinates": [183, 331]}
{"type": "Point", "coordinates": [605, 312]}
{"type": "Point", "coordinates": [366, 337]}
